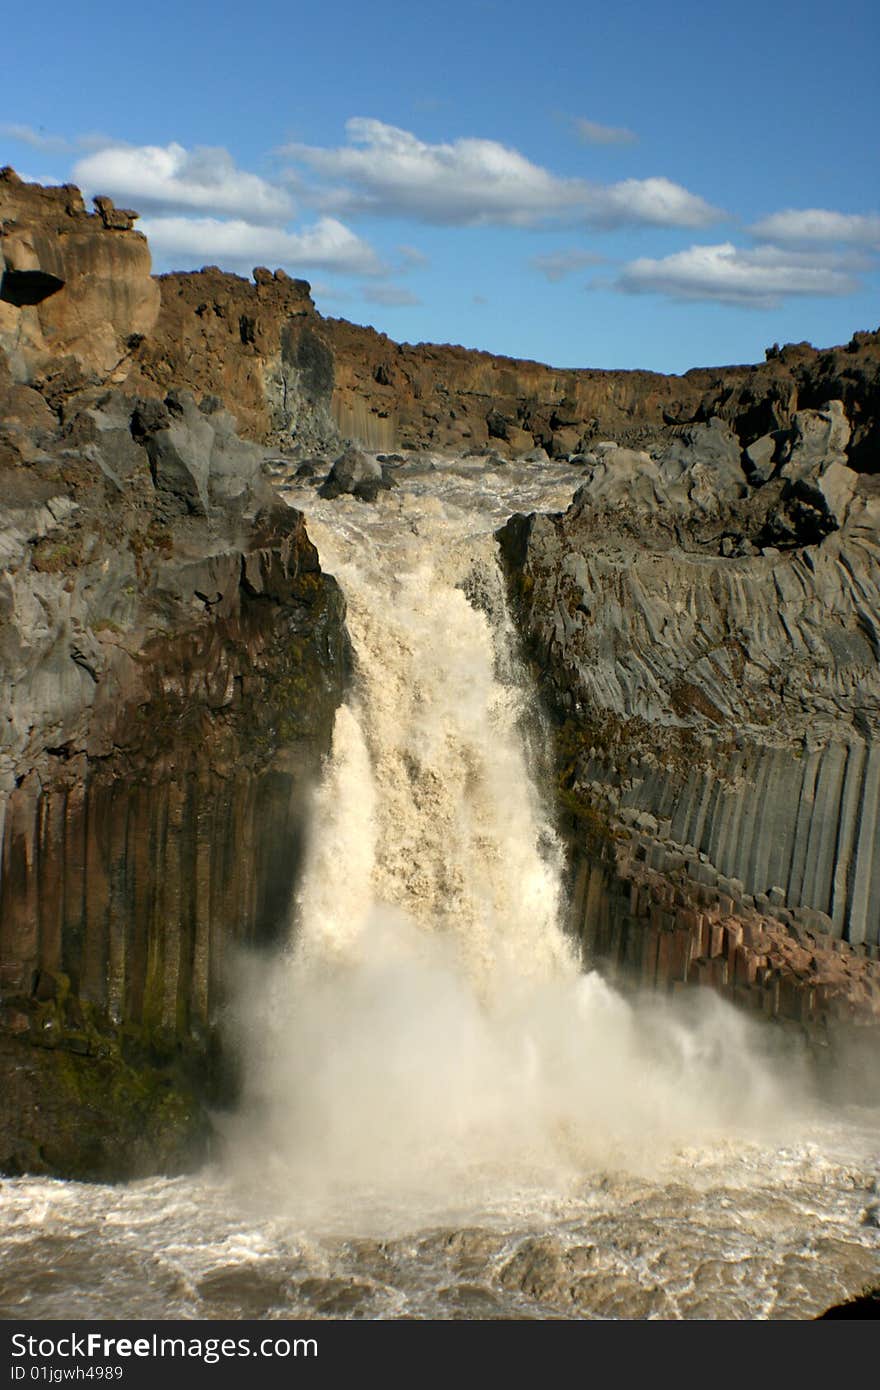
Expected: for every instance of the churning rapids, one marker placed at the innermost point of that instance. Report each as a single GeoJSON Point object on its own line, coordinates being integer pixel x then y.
{"type": "Point", "coordinates": [444, 1116]}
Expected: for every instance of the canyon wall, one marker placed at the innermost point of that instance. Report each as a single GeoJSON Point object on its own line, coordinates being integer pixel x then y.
{"type": "Point", "coordinates": [171, 658]}
{"type": "Point", "coordinates": [301, 383]}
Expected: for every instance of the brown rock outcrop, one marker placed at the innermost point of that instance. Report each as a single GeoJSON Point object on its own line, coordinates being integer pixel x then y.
{"type": "Point", "coordinates": [257, 344]}
{"type": "Point", "coordinates": [75, 287]}
{"type": "Point", "coordinates": [291, 377]}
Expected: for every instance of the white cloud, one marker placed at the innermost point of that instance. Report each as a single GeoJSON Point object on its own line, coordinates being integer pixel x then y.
{"type": "Point", "coordinates": [36, 139]}
{"type": "Point", "coordinates": [804, 225]}
{"type": "Point", "coordinates": [473, 182]}
{"type": "Point", "coordinates": [593, 133]}
{"type": "Point", "coordinates": [392, 296]}
{"type": "Point", "coordinates": [327, 245]}
{"type": "Point", "coordinates": [758, 279]}
{"type": "Point", "coordinates": [47, 180]}
{"type": "Point", "coordinates": [656, 201]}
{"type": "Point", "coordinates": [168, 178]}
{"type": "Point", "coordinates": [558, 264]}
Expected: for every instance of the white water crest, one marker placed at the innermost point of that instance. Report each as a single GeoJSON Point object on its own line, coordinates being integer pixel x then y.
{"type": "Point", "coordinates": [429, 1031]}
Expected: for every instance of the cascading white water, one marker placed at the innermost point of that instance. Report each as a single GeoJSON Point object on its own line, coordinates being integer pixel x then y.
{"type": "Point", "coordinates": [429, 1026]}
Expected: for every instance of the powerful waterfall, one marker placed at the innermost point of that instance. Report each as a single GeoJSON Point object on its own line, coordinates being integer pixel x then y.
{"type": "Point", "coordinates": [429, 1024]}
{"type": "Point", "coordinates": [443, 1114]}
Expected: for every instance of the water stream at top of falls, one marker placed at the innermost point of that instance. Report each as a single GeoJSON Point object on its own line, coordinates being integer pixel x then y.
{"type": "Point", "coordinates": [444, 1117]}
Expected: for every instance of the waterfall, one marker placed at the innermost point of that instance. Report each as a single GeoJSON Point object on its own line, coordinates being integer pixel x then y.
{"type": "Point", "coordinates": [428, 1026]}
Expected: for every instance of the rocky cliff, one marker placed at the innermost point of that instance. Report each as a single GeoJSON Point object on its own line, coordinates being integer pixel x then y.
{"type": "Point", "coordinates": [171, 657]}
{"type": "Point", "coordinates": [704, 624]}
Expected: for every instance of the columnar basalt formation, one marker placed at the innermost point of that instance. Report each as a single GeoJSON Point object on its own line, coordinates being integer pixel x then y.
{"type": "Point", "coordinates": [706, 635]}
{"type": "Point", "coordinates": [172, 657]}
{"type": "Point", "coordinates": [654, 917]}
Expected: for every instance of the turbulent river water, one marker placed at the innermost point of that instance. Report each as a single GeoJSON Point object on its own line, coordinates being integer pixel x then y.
{"type": "Point", "coordinates": [444, 1117]}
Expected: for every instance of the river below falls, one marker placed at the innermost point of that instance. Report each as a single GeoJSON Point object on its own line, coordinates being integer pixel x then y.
{"type": "Point", "coordinates": [735, 1231]}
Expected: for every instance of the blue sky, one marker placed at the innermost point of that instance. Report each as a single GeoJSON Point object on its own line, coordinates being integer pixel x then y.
{"type": "Point", "coordinates": [660, 186]}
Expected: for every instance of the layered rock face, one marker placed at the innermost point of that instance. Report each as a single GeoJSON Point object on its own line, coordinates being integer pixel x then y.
{"type": "Point", "coordinates": [704, 624]}
{"type": "Point", "coordinates": [171, 657]}
{"type": "Point", "coordinates": [392, 395]}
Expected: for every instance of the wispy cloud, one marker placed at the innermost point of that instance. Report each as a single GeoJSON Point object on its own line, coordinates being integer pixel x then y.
{"type": "Point", "coordinates": [334, 293]}
{"type": "Point", "coordinates": [196, 241]}
{"type": "Point", "coordinates": [36, 139]}
{"type": "Point", "coordinates": [593, 133]}
{"type": "Point", "coordinates": [809, 225]}
{"type": "Point", "coordinates": [557, 264]}
{"type": "Point", "coordinates": [389, 172]}
{"type": "Point", "coordinates": [412, 258]}
{"type": "Point", "coordinates": [392, 296]}
{"type": "Point", "coordinates": [758, 279]}
{"type": "Point", "coordinates": [170, 178]}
